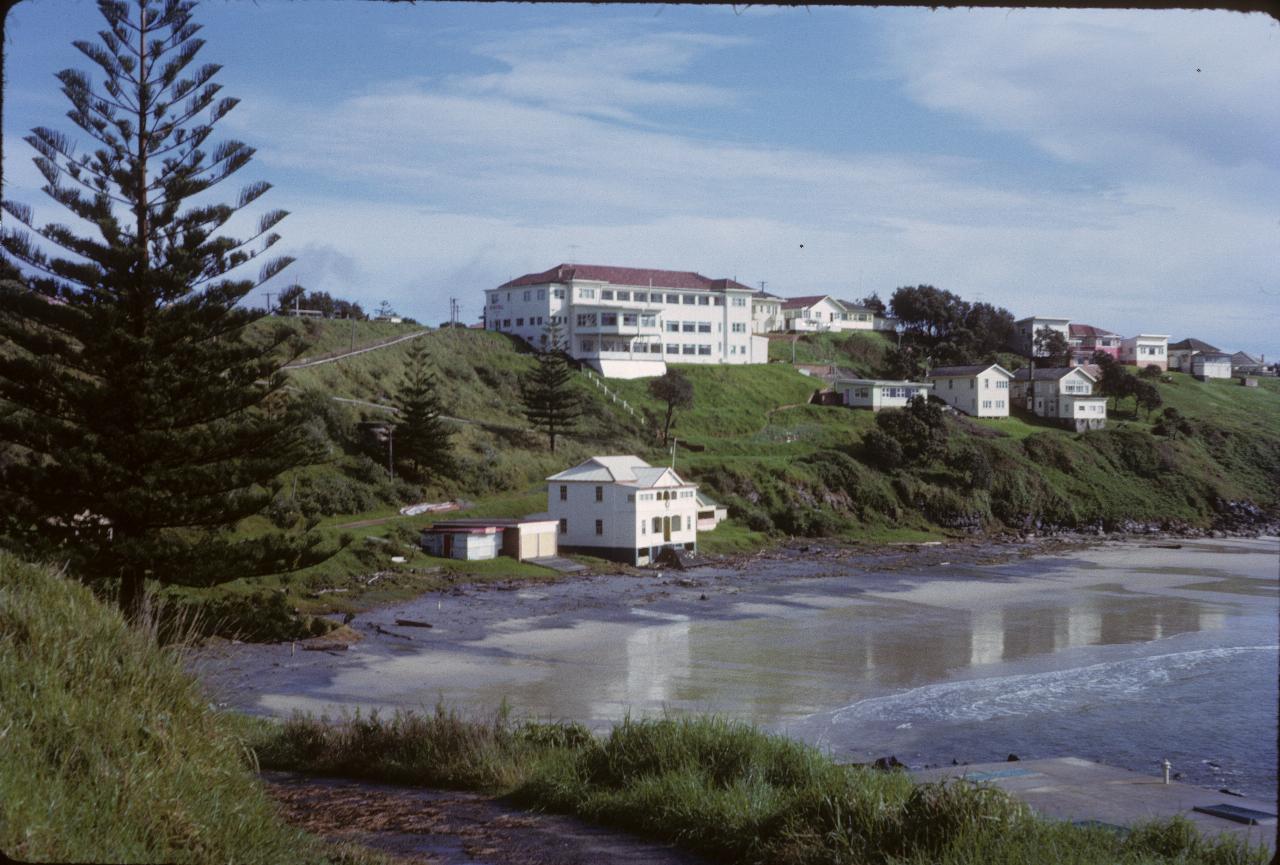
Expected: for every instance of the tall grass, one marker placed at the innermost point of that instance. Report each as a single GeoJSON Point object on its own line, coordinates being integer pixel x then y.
{"type": "Point", "coordinates": [108, 752]}
{"type": "Point", "coordinates": [723, 789]}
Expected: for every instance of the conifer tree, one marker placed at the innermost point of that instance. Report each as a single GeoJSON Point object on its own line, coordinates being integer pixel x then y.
{"type": "Point", "coordinates": [421, 434]}
{"type": "Point", "coordinates": [145, 425]}
{"type": "Point", "coordinates": [552, 401]}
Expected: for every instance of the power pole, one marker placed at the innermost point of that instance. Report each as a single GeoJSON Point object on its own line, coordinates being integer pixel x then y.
{"type": "Point", "coordinates": [268, 294]}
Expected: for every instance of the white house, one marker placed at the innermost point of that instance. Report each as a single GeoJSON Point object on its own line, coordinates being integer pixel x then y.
{"type": "Point", "coordinates": [1062, 393]}
{"type": "Point", "coordinates": [981, 391]}
{"type": "Point", "coordinates": [622, 508]}
{"type": "Point", "coordinates": [1179, 353]}
{"type": "Point", "coordinates": [1025, 330]}
{"type": "Point", "coordinates": [1145, 349]}
{"type": "Point", "coordinates": [816, 313]}
{"type": "Point", "coordinates": [876, 394]}
{"type": "Point", "coordinates": [710, 514]}
{"type": "Point", "coordinates": [1211, 364]}
{"type": "Point", "coordinates": [766, 313]}
{"type": "Point", "coordinates": [629, 322]}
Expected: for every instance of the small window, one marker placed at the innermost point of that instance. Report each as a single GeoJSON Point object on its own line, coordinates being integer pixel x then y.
{"type": "Point", "coordinates": [704, 327]}
{"type": "Point", "coordinates": [644, 527]}
{"type": "Point", "coordinates": [673, 327]}
{"type": "Point", "coordinates": [624, 295]}
{"type": "Point", "coordinates": [564, 527]}
{"type": "Point", "coordinates": [599, 494]}
{"type": "Point", "coordinates": [606, 294]}
{"type": "Point", "coordinates": [689, 349]}
{"type": "Point", "coordinates": [557, 293]}
{"type": "Point", "coordinates": [564, 493]}
{"type": "Point", "coordinates": [690, 327]}
{"type": "Point", "coordinates": [704, 349]}
{"type": "Point", "coordinates": [519, 322]}
{"type": "Point", "coordinates": [631, 497]}
{"type": "Point", "coordinates": [690, 299]}
{"type": "Point", "coordinates": [704, 300]}
{"type": "Point", "coordinates": [599, 527]}
{"type": "Point", "coordinates": [527, 295]}
{"type": "Point", "coordinates": [717, 301]}
{"type": "Point", "coordinates": [673, 298]}
{"type": "Point", "coordinates": [542, 294]}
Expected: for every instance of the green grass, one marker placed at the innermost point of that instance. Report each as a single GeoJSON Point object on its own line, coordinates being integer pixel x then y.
{"type": "Point", "coordinates": [722, 789]}
{"type": "Point", "coordinates": [111, 753]}
{"type": "Point", "coordinates": [861, 350]}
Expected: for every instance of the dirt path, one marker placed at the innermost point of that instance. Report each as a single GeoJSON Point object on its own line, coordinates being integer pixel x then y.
{"type": "Point", "coordinates": [451, 828]}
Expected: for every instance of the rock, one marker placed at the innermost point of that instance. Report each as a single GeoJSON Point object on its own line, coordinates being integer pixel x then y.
{"type": "Point", "coordinates": [413, 623]}
{"type": "Point", "coordinates": [1230, 792]}
{"type": "Point", "coordinates": [887, 764]}
{"type": "Point", "coordinates": [1012, 758]}
{"type": "Point", "coordinates": [702, 597]}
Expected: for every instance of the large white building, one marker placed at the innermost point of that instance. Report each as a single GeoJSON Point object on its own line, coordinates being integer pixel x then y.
{"type": "Point", "coordinates": [629, 322]}
{"type": "Point", "coordinates": [622, 508]}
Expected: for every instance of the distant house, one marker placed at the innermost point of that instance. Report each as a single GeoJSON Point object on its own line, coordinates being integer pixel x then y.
{"type": "Point", "coordinates": [1025, 330]}
{"type": "Point", "coordinates": [474, 539]}
{"type": "Point", "coordinates": [1243, 363]}
{"type": "Point", "coordinates": [1145, 349]}
{"type": "Point", "coordinates": [766, 313]}
{"type": "Point", "coordinates": [813, 313]}
{"type": "Point", "coordinates": [981, 391]}
{"type": "Point", "coordinates": [876, 394]}
{"type": "Point", "coordinates": [623, 509]}
{"type": "Point", "coordinates": [1181, 352]}
{"type": "Point", "coordinates": [1062, 393]}
{"type": "Point", "coordinates": [1211, 364]}
{"type": "Point", "coordinates": [710, 514]}
{"type": "Point", "coordinates": [1086, 340]}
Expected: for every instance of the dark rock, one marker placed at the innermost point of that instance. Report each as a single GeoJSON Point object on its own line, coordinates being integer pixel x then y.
{"type": "Point", "coordinates": [702, 597]}
{"type": "Point", "coordinates": [887, 764]}
{"type": "Point", "coordinates": [1012, 758]}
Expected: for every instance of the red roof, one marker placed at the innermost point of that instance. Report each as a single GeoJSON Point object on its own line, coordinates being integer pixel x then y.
{"type": "Point", "coordinates": [807, 300]}
{"type": "Point", "coordinates": [626, 276]}
{"type": "Point", "coordinates": [1083, 330]}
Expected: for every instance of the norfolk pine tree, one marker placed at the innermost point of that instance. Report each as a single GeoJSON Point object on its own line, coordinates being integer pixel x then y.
{"type": "Point", "coordinates": [421, 434]}
{"type": "Point", "coordinates": [552, 403]}
{"type": "Point", "coordinates": [145, 426]}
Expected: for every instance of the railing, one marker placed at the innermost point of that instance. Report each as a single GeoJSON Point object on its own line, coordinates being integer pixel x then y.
{"type": "Point", "coordinates": [617, 400]}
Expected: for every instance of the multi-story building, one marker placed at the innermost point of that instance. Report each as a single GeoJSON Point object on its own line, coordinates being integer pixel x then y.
{"type": "Point", "coordinates": [623, 509]}
{"type": "Point", "coordinates": [629, 322]}
{"type": "Point", "coordinates": [1146, 349]}
{"type": "Point", "coordinates": [1025, 330]}
{"type": "Point", "coordinates": [1086, 340]}
{"type": "Point", "coordinates": [981, 391]}
{"type": "Point", "coordinates": [1062, 393]}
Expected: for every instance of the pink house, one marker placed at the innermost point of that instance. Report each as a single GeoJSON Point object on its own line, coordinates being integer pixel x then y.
{"type": "Point", "coordinates": [1085, 340]}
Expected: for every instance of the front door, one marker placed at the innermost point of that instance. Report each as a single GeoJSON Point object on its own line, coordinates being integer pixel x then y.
{"type": "Point", "coordinates": [448, 546]}
{"type": "Point", "coordinates": [666, 529]}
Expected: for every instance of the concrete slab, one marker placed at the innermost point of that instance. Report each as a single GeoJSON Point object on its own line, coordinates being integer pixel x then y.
{"type": "Point", "coordinates": [1071, 788]}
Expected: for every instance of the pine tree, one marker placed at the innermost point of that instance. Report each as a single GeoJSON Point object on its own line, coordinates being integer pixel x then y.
{"type": "Point", "coordinates": [145, 426]}
{"type": "Point", "coordinates": [421, 434]}
{"type": "Point", "coordinates": [552, 402]}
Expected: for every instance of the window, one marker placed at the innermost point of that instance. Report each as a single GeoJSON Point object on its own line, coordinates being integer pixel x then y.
{"type": "Point", "coordinates": [587, 293]}
{"type": "Point", "coordinates": [629, 319]}
{"type": "Point", "coordinates": [690, 327]}
{"type": "Point", "coordinates": [739, 327]}
{"type": "Point", "coordinates": [564, 527]}
{"type": "Point", "coordinates": [564, 493]}
{"type": "Point", "coordinates": [657, 525]}
{"type": "Point", "coordinates": [689, 349]}
{"type": "Point", "coordinates": [673, 298]}
{"type": "Point", "coordinates": [648, 319]}
{"type": "Point", "coordinates": [606, 294]}
{"type": "Point", "coordinates": [557, 293]}
{"type": "Point", "coordinates": [599, 494]}
{"type": "Point", "coordinates": [675, 522]}
{"type": "Point", "coordinates": [624, 295]}
{"type": "Point", "coordinates": [689, 299]}
{"type": "Point", "coordinates": [862, 393]}
{"type": "Point", "coordinates": [631, 497]}
{"type": "Point", "coordinates": [739, 301]}
{"type": "Point", "coordinates": [586, 319]}
{"type": "Point", "coordinates": [733, 349]}
{"type": "Point", "coordinates": [951, 384]}
{"type": "Point", "coordinates": [704, 327]}
{"type": "Point", "coordinates": [673, 327]}
{"type": "Point", "coordinates": [493, 297]}
{"type": "Point", "coordinates": [986, 403]}
{"type": "Point", "coordinates": [588, 345]}
{"type": "Point", "coordinates": [986, 383]}
{"type": "Point", "coordinates": [1002, 384]}
{"type": "Point", "coordinates": [970, 384]}
{"type": "Point", "coordinates": [519, 322]}
{"type": "Point", "coordinates": [506, 322]}
{"type": "Point", "coordinates": [528, 295]}
{"type": "Point", "coordinates": [654, 348]}
{"type": "Point", "coordinates": [542, 294]}
{"type": "Point", "coordinates": [672, 348]}
{"type": "Point", "coordinates": [704, 349]}
{"type": "Point", "coordinates": [640, 297]}
{"type": "Point", "coordinates": [999, 403]}
{"type": "Point", "coordinates": [644, 527]}
{"type": "Point", "coordinates": [717, 301]}
{"type": "Point", "coordinates": [609, 318]}
{"type": "Point", "coordinates": [599, 527]}
{"type": "Point", "coordinates": [704, 300]}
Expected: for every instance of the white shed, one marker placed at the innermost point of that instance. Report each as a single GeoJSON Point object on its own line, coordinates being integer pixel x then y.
{"type": "Point", "coordinates": [876, 394]}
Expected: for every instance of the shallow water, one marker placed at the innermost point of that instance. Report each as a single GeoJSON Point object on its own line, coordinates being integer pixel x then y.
{"type": "Point", "coordinates": [1127, 654]}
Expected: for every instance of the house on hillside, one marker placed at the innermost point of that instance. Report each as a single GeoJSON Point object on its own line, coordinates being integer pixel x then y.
{"type": "Point", "coordinates": [629, 322]}
{"type": "Point", "coordinates": [1085, 341]}
{"type": "Point", "coordinates": [1064, 394]}
{"type": "Point", "coordinates": [814, 313]}
{"type": "Point", "coordinates": [766, 313]}
{"type": "Point", "coordinates": [876, 394]}
{"type": "Point", "coordinates": [623, 509]}
{"type": "Point", "coordinates": [1211, 364]}
{"type": "Point", "coordinates": [473, 539]}
{"type": "Point", "coordinates": [1180, 352]}
{"type": "Point", "coordinates": [980, 391]}
{"type": "Point", "coordinates": [1024, 332]}
{"type": "Point", "coordinates": [1145, 349]}
{"type": "Point", "coordinates": [1243, 363]}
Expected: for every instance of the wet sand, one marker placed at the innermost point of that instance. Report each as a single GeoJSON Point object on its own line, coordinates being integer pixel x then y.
{"type": "Point", "coordinates": [965, 651]}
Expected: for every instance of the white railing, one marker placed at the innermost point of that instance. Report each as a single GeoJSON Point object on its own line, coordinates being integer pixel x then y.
{"type": "Point", "coordinates": [617, 400]}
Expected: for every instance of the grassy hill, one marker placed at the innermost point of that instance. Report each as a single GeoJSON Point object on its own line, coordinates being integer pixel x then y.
{"type": "Point", "coordinates": [111, 753]}
{"type": "Point", "coordinates": [784, 467]}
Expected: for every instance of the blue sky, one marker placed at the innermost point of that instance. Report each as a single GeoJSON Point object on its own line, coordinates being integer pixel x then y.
{"type": "Point", "coordinates": [1121, 168]}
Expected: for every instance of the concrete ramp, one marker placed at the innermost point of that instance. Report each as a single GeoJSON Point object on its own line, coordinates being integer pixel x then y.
{"type": "Point", "coordinates": [1089, 793]}
{"type": "Point", "coordinates": [557, 563]}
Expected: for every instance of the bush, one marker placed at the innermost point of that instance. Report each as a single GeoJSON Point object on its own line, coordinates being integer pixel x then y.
{"type": "Point", "coordinates": [882, 450]}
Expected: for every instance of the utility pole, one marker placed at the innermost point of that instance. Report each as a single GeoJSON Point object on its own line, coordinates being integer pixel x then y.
{"type": "Point", "coordinates": [673, 453]}
{"type": "Point", "coordinates": [268, 294]}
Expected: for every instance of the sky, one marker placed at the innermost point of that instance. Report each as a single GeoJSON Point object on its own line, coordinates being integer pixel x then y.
{"type": "Point", "coordinates": [1120, 168]}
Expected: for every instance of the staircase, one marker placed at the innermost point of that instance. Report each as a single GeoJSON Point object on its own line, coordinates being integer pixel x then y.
{"type": "Point", "coordinates": [599, 383]}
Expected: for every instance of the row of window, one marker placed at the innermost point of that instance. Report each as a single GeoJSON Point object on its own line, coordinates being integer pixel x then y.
{"type": "Point", "coordinates": [588, 344]}
{"type": "Point", "coordinates": [625, 295]}
{"type": "Point", "coordinates": [655, 522]}
{"type": "Point", "coordinates": [659, 496]}
{"type": "Point", "coordinates": [1001, 384]}
{"type": "Point", "coordinates": [986, 403]}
